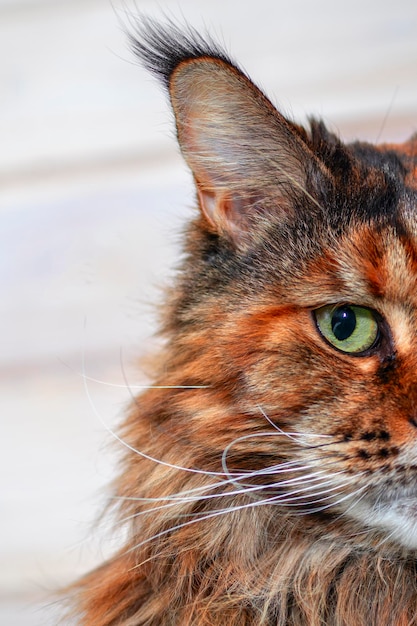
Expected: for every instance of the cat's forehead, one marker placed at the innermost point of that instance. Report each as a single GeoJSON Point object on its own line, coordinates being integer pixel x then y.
{"type": "Point", "coordinates": [379, 262]}
{"type": "Point", "coordinates": [373, 255]}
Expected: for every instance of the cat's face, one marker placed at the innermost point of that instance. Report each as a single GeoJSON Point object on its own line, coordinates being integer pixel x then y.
{"type": "Point", "coordinates": [337, 366]}
{"type": "Point", "coordinates": [297, 310]}
{"type": "Point", "coordinates": [326, 355]}
{"type": "Point", "coordinates": [374, 417]}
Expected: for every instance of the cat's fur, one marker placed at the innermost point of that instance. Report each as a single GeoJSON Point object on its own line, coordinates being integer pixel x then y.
{"type": "Point", "coordinates": [272, 478]}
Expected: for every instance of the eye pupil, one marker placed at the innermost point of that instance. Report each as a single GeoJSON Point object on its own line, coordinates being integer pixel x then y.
{"type": "Point", "coordinates": [349, 328]}
{"type": "Point", "coordinates": [343, 323]}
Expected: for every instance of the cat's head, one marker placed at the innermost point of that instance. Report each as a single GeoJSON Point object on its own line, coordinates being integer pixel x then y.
{"type": "Point", "coordinates": [297, 305]}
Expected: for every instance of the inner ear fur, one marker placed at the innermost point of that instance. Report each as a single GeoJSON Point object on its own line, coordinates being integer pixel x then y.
{"type": "Point", "coordinates": [243, 153]}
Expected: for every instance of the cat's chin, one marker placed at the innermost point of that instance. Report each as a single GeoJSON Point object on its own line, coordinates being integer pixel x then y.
{"type": "Point", "coordinates": [396, 518]}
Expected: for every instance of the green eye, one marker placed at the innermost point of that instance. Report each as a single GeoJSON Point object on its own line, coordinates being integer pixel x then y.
{"type": "Point", "coordinates": [351, 329]}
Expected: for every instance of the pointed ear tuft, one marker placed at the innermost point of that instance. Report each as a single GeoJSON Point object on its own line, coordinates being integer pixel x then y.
{"type": "Point", "coordinates": [161, 48]}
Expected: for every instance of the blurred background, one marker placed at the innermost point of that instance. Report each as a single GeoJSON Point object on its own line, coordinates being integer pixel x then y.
{"type": "Point", "coordinates": [93, 195]}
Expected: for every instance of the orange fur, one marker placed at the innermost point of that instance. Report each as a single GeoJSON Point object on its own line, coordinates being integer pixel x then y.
{"type": "Point", "coordinates": [270, 479]}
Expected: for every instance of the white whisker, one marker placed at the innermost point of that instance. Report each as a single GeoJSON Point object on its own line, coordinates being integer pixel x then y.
{"type": "Point", "coordinates": [264, 501]}
{"type": "Point", "coordinates": [127, 385]}
{"type": "Point", "coordinates": [199, 499]}
{"type": "Point", "coordinates": [142, 387]}
{"type": "Point", "coordinates": [297, 437]}
{"type": "Point", "coordinates": [337, 502]}
{"type": "Point", "coordinates": [293, 498]}
{"type": "Point", "coordinates": [210, 515]}
{"type": "Point", "coordinates": [197, 494]}
{"type": "Point", "coordinates": [131, 448]}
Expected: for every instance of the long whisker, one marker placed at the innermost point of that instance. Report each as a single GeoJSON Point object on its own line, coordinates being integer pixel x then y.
{"type": "Point", "coordinates": [198, 494]}
{"type": "Point", "coordinates": [202, 518]}
{"type": "Point", "coordinates": [201, 498]}
{"type": "Point", "coordinates": [268, 500]}
{"type": "Point", "coordinates": [294, 436]}
{"type": "Point", "coordinates": [249, 437]}
{"type": "Point", "coordinates": [285, 498]}
{"type": "Point", "coordinates": [184, 495]}
{"type": "Point", "coordinates": [294, 497]}
{"type": "Point", "coordinates": [129, 385]}
{"type": "Point", "coordinates": [337, 502]}
{"type": "Point", "coordinates": [131, 448]}
{"type": "Point", "coordinates": [142, 387]}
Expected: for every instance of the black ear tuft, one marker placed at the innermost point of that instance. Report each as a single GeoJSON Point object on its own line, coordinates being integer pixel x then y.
{"type": "Point", "coordinates": [161, 48]}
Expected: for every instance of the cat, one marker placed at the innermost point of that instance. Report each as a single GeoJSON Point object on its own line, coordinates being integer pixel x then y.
{"type": "Point", "coordinates": [270, 474]}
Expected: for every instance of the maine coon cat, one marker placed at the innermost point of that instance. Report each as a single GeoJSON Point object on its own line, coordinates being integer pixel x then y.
{"type": "Point", "coordinates": [270, 476]}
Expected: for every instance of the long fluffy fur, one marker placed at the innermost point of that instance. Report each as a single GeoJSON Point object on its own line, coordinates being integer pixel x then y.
{"type": "Point", "coordinates": [246, 466]}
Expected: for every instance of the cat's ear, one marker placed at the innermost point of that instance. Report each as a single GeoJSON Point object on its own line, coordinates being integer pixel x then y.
{"type": "Point", "coordinates": [246, 158]}
{"type": "Point", "coordinates": [242, 151]}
